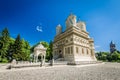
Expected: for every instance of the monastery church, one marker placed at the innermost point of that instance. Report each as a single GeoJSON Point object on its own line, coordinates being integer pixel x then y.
{"type": "Point", "coordinates": [74, 44]}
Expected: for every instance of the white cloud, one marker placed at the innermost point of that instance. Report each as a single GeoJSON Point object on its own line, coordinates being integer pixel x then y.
{"type": "Point", "coordinates": [97, 51]}
{"type": "Point", "coordinates": [97, 46]}
{"type": "Point", "coordinates": [39, 29]}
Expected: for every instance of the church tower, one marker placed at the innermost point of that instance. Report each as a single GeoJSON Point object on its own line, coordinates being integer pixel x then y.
{"type": "Point", "coordinates": [112, 47]}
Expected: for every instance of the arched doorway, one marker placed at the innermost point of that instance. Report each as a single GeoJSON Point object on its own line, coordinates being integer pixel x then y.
{"type": "Point", "coordinates": [39, 58]}
{"type": "Point", "coordinates": [60, 54]}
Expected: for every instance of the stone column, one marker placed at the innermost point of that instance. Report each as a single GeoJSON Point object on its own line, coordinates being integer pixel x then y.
{"type": "Point", "coordinates": [93, 55]}
{"type": "Point", "coordinates": [41, 61]}
{"type": "Point", "coordinates": [64, 53]}
{"type": "Point", "coordinates": [36, 58]}
{"type": "Point", "coordinates": [44, 60]}
{"type": "Point", "coordinates": [70, 49]}
{"type": "Point", "coordinates": [74, 52]}
{"type": "Point", "coordinates": [53, 54]}
{"type": "Point", "coordinates": [80, 49]}
{"type": "Point", "coordinates": [52, 60]}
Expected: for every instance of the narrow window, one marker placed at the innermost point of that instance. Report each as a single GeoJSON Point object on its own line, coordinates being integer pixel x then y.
{"type": "Point", "coordinates": [68, 50]}
{"type": "Point", "coordinates": [71, 49]}
{"type": "Point", "coordinates": [87, 51]}
{"type": "Point", "coordinates": [76, 49]}
{"type": "Point", "coordinates": [91, 53]}
{"type": "Point", "coordinates": [82, 51]}
{"type": "Point", "coordinates": [65, 51]}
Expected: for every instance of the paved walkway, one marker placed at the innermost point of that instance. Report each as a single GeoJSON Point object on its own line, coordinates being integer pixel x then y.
{"type": "Point", "coordinates": [107, 71]}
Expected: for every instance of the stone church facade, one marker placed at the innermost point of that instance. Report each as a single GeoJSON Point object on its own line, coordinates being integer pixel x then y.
{"type": "Point", "coordinates": [74, 44]}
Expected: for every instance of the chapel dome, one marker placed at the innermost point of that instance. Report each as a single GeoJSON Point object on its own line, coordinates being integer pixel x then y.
{"type": "Point", "coordinates": [40, 46]}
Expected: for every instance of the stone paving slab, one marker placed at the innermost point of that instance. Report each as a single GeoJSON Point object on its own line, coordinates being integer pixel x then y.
{"type": "Point", "coordinates": [107, 71]}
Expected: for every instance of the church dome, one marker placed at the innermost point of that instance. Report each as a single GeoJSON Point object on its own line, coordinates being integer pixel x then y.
{"type": "Point", "coordinates": [71, 21]}
{"type": "Point", "coordinates": [81, 25]}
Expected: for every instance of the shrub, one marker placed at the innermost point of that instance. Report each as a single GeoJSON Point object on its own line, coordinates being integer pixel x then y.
{"type": "Point", "coordinates": [4, 60]}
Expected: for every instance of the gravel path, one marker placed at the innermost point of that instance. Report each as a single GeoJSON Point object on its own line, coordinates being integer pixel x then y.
{"type": "Point", "coordinates": [107, 71]}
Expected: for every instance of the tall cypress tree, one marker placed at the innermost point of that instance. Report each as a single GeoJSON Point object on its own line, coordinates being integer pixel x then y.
{"type": "Point", "coordinates": [4, 43]}
{"type": "Point", "coordinates": [17, 51]}
{"type": "Point", "coordinates": [51, 49]}
{"type": "Point", "coordinates": [10, 49]}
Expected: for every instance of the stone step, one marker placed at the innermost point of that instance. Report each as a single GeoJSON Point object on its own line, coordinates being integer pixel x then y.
{"type": "Point", "coordinates": [60, 59]}
{"type": "Point", "coordinates": [83, 62]}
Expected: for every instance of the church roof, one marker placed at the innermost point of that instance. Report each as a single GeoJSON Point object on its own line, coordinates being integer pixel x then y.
{"type": "Point", "coordinates": [58, 25]}
{"type": "Point", "coordinates": [40, 46]}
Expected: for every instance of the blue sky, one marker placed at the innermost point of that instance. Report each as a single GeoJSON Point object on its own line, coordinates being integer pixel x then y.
{"type": "Point", "coordinates": [36, 20]}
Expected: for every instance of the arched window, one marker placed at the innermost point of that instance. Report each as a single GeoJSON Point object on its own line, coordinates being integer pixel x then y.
{"type": "Point", "coordinates": [87, 51]}
{"type": "Point", "coordinates": [65, 51]}
{"type": "Point", "coordinates": [68, 50]}
{"type": "Point", "coordinates": [71, 39]}
{"type": "Point", "coordinates": [91, 53]}
{"type": "Point", "coordinates": [66, 41]}
{"type": "Point", "coordinates": [82, 51]}
{"type": "Point", "coordinates": [76, 49]}
{"type": "Point", "coordinates": [71, 49]}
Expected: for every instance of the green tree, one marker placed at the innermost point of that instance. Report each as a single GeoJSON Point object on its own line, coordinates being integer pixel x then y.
{"type": "Point", "coordinates": [115, 56]}
{"type": "Point", "coordinates": [4, 44]}
{"type": "Point", "coordinates": [98, 55]}
{"type": "Point", "coordinates": [13, 48]}
{"type": "Point", "coordinates": [46, 45]}
{"type": "Point", "coordinates": [102, 56]}
{"type": "Point", "coordinates": [21, 49]}
{"type": "Point", "coordinates": [109, 57]}
{"type": "Point", "coordinates": [1, 44]}
{"type": "Point", "coordinates": [17, 51]}
{"type": "Point", "coordinates": [10, 49]}
{"type": "Point", "coordinates": [25, 50]}
{"type": "Point", "coordinates": [51, 49]}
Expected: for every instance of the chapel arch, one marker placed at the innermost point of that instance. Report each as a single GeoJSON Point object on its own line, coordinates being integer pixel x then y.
{"type": "Point", "coordinates": [39, 53]}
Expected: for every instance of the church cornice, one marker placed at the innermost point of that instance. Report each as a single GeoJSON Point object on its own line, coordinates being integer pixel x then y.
{"type": "Point", "coordinates": [70, 31]}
